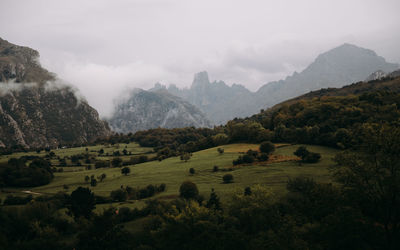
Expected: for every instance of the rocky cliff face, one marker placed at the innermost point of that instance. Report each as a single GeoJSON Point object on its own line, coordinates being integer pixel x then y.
{"type": "Point", "coordinates": [217, 100]}
{"type": "Point", "coordinates": [152, 109]}
{"type": "Point", "coordinates": [36, 110]}
{"type": "Point", "coordinates": [335, 68]}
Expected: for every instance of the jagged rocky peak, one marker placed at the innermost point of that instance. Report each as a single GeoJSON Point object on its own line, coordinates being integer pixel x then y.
{"type": "Point", "coordinates": [36, 109]}
{"type": "Point", "coordinates": [377, 75]}
{"type": "Point", "coordinates": [201, 79]}
{"type": "Point", "coordinates": [21, 64]}
{"type": "Point", "coordinates": [152, 109]}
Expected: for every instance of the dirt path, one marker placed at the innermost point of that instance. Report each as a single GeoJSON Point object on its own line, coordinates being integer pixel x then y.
{"type": "Point", "coordinates": [30, 192]}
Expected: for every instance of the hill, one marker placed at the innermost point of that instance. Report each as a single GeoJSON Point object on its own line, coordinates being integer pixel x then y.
{"type": "Point", "coordinates": [143, 110]}
{"type": "Point", "coordinates": [38, 110]}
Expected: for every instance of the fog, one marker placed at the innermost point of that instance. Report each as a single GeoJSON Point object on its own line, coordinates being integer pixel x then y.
{"type": "Point", "coordinates": [105, 47]}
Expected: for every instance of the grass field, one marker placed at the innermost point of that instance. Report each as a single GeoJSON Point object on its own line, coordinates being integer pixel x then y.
{"type": "Point", "coordinates": [173, 172]}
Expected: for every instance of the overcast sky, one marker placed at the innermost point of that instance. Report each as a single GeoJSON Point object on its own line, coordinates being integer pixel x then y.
{"type": "Point", "coordinates": [103, 47]}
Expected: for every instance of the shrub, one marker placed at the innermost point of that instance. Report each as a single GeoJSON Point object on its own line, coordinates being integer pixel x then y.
{"type": "Point", "coordinates": [119, 195]}
{"type": "Point", "coordinates": [220, 150]}
{"type": "Point", "coordinates": [101, 164]}
{"type": "Point", "coordinates": [188, 190]}
{"type": "Point", "coordinates": [263, 157]}
{"type": "Point", "coordinates": [215, 169]}
{"type": "Point", "coordinates": [125, 170]}
{"type": "Point", "coordinates": [162, 187]}
{"type": "Point", "coordinates": [116, 162]}
{"type": "Point", "coordinates": [191, 171]}
{"type": "Point", "coordinates": [247, 191]}
{"type": "Point", "coordinates": [267, 147]}
{"type": "Point", "coordinates": [93, 182]}
{"type": "Point", "coordinates": [228, 178]}
{"type": "Point", "coordinates": [307, 156]}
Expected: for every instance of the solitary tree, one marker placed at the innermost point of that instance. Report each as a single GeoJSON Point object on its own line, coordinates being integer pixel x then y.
{"type": "Point", "coordinates": [87, 178]}
{"type": "Point", "coordinates": [191, 171]}
{"type": "Point", "coordinates": [228, 178]}
{"type": "Point", "coordinates": [267, 147]}
{"type": "Point", "coordinates": [188, 190]}
{"type": "Point", "coordinates": [102, 176]}
{"type": "Point", "coordinates": [214, 202]}
{"type": "Point", "coordinates": [81, 203]}
{"type": "Point", "coordinates": [125, 170]}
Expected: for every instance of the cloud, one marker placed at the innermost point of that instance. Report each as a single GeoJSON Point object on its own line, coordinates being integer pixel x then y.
{"type": "Point", "coordinates": [101, 84]}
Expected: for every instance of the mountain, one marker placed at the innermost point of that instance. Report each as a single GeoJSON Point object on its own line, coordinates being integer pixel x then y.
{"type": "Point", "coordinates": [143, 110]}
{"type": "Point", "coordinates": [217, 100]}
{"type": "Point", "coordinates": [37, 109]}
{"type": "Point", "coordinates": [337, 67]}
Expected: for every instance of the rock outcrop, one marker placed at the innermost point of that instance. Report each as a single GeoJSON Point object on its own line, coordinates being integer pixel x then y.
{"type": "Point", "coordinates": [36, 109]}
{"type": "Point", "coordinates": [143, 110]}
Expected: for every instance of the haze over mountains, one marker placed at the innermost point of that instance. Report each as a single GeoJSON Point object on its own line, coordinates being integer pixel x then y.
{"type": "Point", "coordinates": [152, 109]}
{"type": "Point", "coordinates": [337, 67]}
{"type": "Point", "coordinates": [36, 110]}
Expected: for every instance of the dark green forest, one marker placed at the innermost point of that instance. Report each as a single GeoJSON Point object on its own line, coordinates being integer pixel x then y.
{"type": "Point", "coordinates": [360, 209]}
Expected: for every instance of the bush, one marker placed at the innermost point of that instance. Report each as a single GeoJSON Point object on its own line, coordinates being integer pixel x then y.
{"type": "Point", "coordinates": [263, 157]}
{"type": "Point", "coordinates": [119, 195]}
{"type": "Point", "coordinates": [307, 156]}
{"type": "Point", "coordinates": [116, 162]}
{"type": "Point", "coordinates": [247, 191]}
{"type": "Point", "coordinates": [215, 169]}
{"type": "Point", "coordinates": [312, 157]}
{"type": "Point", "coordinates": [125, 170]}
{"type": "Point", "coordinates": [162, 187]}
{"type": "Point", "coordinates": [93, 182]}
{"type": "Point", "coordinates": [191, 171]}
{"type": "Point", "coordinates": [228, 178]}
{"type": "Point", "coordinates": [188, 190]}
{"type": "Point", "coordinates": [267, 147]}
{"type": "Point", "coordinates": [101, 164]}
{"type": "Point", "coordinates": [220, 150]}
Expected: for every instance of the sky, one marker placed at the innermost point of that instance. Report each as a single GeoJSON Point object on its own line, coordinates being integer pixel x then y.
{"type": "Point", "coordinates": [104, 47]}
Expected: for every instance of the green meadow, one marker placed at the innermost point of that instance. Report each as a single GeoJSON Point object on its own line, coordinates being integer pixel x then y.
{"type": "Point", "coordinates": [173, 172]}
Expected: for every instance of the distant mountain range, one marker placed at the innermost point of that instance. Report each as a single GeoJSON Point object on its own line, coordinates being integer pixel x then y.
{"type": "Point", "coordinates": [143, 110]}
{"type": "Point", "coordinates": [36, 110]}
{"type": "Point", "coordinates": [337, 67]}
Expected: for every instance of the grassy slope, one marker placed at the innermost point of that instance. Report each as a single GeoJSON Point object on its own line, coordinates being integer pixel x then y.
{"type": "Point", "coordinates": [173, 172]}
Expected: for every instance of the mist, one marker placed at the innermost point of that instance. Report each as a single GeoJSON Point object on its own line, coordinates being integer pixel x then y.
{"type": "Point", "coordinates": [107, 47]}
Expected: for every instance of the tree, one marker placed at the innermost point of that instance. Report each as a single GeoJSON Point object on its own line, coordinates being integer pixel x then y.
{"type": "Point", "coordinates": [81, 203]}
{"type": "Point", "coordinates": [307, 156]}
{"type": "Point", "coordinates": [214, 202]}
{"type": "Point", "coordinates": [220, 150]}
{"type": "Point", "coordinates": [119, 195]}
{"type": "Point", "coordinates": [125, 170]}
{"type": "Point", "coordinates": [267, 147]}
{"type": "Point", "coordinates": [301, 152]}
{"type": "Point", "coordinates": [215, 169]}
{"type": "Point", "coordinates": [188, 190]}
{"type": "Point", "coordinates": [87, 178]}
{"type": "Point", "coordinates": [116, 162]}
{"type": "Point", "coordinates": [185, 157]}
{"type": "Point", "coordinates": [102, 176]}
{"type": "Point", "coordinates": [371, 178]}
{"type": "Point", "coordinates": [228, 178]}
{"type": "Point", "coordinates": [191, 171]}
{"type": "Point", "coordinates": [247, 191]}
{"type": "Point", "coordinates": [93, 182]}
